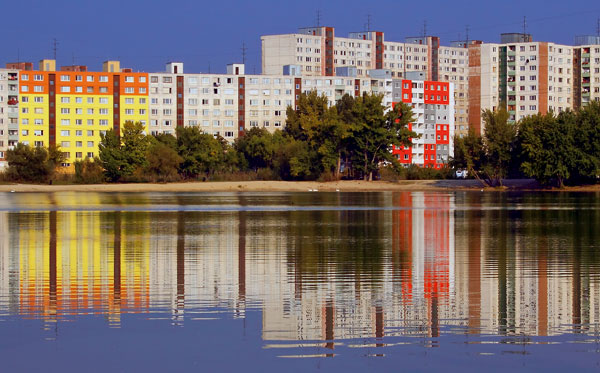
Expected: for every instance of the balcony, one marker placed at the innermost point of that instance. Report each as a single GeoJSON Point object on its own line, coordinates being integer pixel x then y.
{"type": "Point", "coordinates": [585, 74]}
{"type": "Point", "coordinates": [585, 55]}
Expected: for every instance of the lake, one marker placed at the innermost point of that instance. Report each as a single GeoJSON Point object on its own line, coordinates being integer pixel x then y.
{"type": "Point", "coordinates": [415, 281]}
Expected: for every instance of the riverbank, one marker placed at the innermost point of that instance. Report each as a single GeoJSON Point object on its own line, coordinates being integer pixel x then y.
{"type": "Point", "coordinates": [231, 186]}
{"type": "Point", "coordinates": [290, 186]}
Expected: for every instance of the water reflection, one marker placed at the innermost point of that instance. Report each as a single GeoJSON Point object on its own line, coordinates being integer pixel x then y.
{"type": "Point", "coordinates": [404, 265]}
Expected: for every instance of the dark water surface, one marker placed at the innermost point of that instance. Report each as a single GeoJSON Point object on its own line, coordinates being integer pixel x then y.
{"type": "Point", "coordinates": [299, 281]}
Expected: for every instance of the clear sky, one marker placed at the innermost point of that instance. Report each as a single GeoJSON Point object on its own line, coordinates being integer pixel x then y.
{"type": "Point", "coordinates": [145, 34]}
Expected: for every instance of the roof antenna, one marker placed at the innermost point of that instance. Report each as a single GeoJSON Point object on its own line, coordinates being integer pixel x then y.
{"type": "Point", "coordinates": [524, 27]}
{"type": "Point", "coordinates": [54, 47]}
{"type": "Point", "coordinates": [424, 28]}
{"type": "Point", "coordinates": [368, 22]}
{"type": "Point", "coordinates": [318, 18]}
{"type": "Point", "coordinates": [467, 34]}
{"type": "Point", "coordinates": [244, 49]}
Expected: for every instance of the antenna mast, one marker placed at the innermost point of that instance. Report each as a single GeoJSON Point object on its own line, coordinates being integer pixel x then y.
{"type": "Point", "coordinates": [244, 49]}
{"type": "Point", "coordinates": [54, 47]}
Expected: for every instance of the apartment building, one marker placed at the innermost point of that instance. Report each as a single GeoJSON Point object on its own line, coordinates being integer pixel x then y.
{"type": "Point", "coordinates": [586, 70]}
{"type": "Point", "coordinates": [433, 112]}
{"type": "Point", "coordinates": [71, 109]}
{"type": "Point", "coordinates": [319, 52]}
{"type": "Point", "coordinates": [528, 77]}
{"type": "Point", "coordinates": [9, 111]}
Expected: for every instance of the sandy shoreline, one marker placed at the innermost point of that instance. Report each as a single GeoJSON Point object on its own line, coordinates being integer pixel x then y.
{"type": "Point", "coordinates": [288, 186]}
{"type": "Point", "coordinates": [231, 186]}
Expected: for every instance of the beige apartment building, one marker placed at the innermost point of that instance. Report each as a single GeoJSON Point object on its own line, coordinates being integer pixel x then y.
{"type": "Point", "coordinates": [317, 51]}
{"type": "Point", "coordinates": [528, 77]}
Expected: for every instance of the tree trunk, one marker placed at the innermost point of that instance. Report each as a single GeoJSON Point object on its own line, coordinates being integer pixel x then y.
{"type": "Point", "coordinates": [472, 171]}
{"type": "Point", "coordinates": [366, 167]}
{"type": "Point", "coordinates": [339, 165]}
{"type": "Point", "coordinates": [370, 175]}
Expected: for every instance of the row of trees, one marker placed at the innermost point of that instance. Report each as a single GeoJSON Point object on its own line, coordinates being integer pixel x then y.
{"type": "Point", "coordinates": [317, 139]}
{"type": "Point", "coordinates": [553, 149]}
{"type": "Point", "coordinates": [318, 142]}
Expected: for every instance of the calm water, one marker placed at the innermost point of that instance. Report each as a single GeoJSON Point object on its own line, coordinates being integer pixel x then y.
{"type": "Point", "coordinates": [299, 281]}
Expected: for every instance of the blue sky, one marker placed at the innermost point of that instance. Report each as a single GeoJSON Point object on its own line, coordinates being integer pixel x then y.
{"type": "Point", "coordinates": [146, 34]}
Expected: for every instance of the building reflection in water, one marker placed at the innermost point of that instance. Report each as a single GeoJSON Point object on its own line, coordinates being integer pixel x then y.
{"type": "Point", "coordinates": [436, 263]}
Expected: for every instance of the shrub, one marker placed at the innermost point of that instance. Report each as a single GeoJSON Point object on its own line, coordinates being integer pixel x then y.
{"type": "Point", "coordinates": [29, 164]}
{"type": "Point", "coordinates": [89, 172]}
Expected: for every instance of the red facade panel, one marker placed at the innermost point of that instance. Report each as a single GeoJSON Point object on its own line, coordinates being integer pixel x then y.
{"type": "Point", "coordinates": [437, 93]}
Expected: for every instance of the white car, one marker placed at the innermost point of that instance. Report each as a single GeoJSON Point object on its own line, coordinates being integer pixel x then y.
{"type": "Point", "coordinates": [461, 174]}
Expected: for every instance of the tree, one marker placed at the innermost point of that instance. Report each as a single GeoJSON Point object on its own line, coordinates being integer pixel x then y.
{"type": "Point", "coordinates": [587, 139]}
{"type": "Point", "coordinates": [88, 171]}
{"type": "Point", "coordinates": [167, 139]}
{"type": "Point", "coordinates": [162, 163]}
{"type": "Point", "coordinates": [257, 147]}
{"type": "Point", "coordinates": [135, 145]}
{"type": "Point", "coordinates": [201, 152]}
{"type": "Point", "coordinates": [112, 157]}
{"type": "Point", "coordinates": [549, 150]}
{"type": "Point", "coordinates": [29, 164]}
{"type": "Point", "coordinates": [468, 153]}
{"type": "Point", "coordinates": [317, 124]}
{"type": "Point", "coordinates": [375, 132]}
{"type": "Point", "coordinates": [55, 157]}
{"type": "Point", "coordinates": [498, 144]}
{"type": "Point", "coordinates": [120, 157]}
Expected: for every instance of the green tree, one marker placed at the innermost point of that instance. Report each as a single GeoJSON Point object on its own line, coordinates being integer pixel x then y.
{"type": "Point", "coordinates": [587, 138]}
{"type": "Point", "coordinates": [112, 156]}
{"type": "Point", "coordinates": [201, 152]}
{"type": "Point", "coordinates": [29, 164]}
{"type": "Point", "coordinates": [549, 151]}
{"type": "Point", "coordinates": [167, 139]}
{"type": "Point", "coordinates": [88, 171]}
{"type": "Point", "coordinates": [317, 124]}
{"type": "Point", "coordinates": [257, 147]}
{"type": "Point", "coordinates": [135, 145]}
{"type": "Point", "coordinates": [162, 163]}
{"type": "Point", "coordinates": [375, 132]}
{"type": "Point", "coordinates": [468, 153]}
{"type": "Point", "coordinates": [498, 145]}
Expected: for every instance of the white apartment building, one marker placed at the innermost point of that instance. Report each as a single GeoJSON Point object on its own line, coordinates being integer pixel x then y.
{"type": "Point", "coordinates": [319, 52]}
{"type": "Point", "coordinates": [9, 111]}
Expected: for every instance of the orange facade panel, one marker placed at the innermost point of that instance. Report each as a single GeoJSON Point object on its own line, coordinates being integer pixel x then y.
{"type": "Point", "coordinates": [88, 83]}
{"type": "Point", "coordinates": [474, 85]}
{"type": "Point", "coordinates": [134, 84]}
{"type": "Point", "coordinates": [34, 82]}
